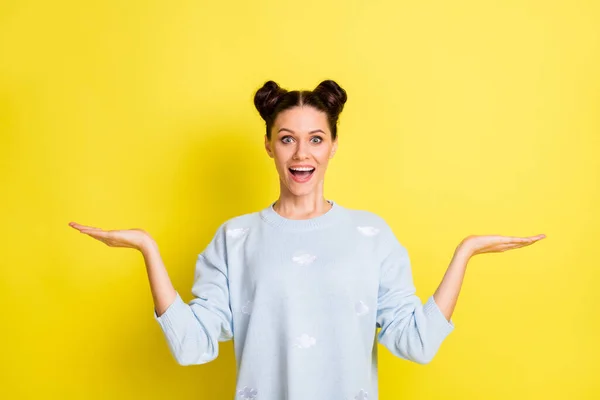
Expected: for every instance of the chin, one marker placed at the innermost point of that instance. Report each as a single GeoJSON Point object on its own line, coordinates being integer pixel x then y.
{"type": "Point", "coordinates": [299, 189]}
{"type": "Point", "coordinates": [301, 192]}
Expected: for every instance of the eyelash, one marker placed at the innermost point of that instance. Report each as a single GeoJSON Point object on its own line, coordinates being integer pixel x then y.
{"type": "Point", "coordinates": [285, 137]}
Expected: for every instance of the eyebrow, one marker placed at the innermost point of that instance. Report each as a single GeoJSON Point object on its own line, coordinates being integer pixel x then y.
{"type": "Point", "coordinates": [291, 131]}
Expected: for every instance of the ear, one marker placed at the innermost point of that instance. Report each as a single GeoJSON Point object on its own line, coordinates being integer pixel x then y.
{"type": "Point", "coordinates": [268, 147]}
{"type": "Point", "coordinates": [333, 148]}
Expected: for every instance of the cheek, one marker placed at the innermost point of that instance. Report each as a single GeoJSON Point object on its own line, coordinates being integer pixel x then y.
{"type": "Point", "coordinates": [282, 153]}
{"type": "Point", "coordinates": [322, 156]}
{"type": "Point", "coordinates": [281, 160]}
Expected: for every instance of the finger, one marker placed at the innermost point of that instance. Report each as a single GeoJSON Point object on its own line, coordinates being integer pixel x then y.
{"type": "Point", "coordinates": [76, 225]}
{"type": "Point", "coordinates": [514, 239]}
{"type": "Point", "coordinates": [98, 233]}
{"type": "Point", "coordinates": [536, 237]}
{"type": "Point", "coordinates": [510, 246]}
{"type": "Point", "coordinates": [79, 226]}
{"type": "Point", "coordinates": [528, 239]}
{"type": "Point", "coordinates": [533, 239]}
{"type": "Point", "coordinates": [92, 229]}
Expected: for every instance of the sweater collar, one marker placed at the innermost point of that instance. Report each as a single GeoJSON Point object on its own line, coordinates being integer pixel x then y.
{"type": "Point", "coordinates": [333, 215]}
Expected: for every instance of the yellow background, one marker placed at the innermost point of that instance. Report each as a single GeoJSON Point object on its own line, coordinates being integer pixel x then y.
{"type": "Point", "coordinates": [468, 117]}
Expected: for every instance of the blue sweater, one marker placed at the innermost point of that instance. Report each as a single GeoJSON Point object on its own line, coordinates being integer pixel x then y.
{"type": "Point", "coordinates": [302, 300]}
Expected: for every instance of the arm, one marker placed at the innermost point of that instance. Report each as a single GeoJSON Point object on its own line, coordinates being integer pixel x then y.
{"type": "Point", "coordinates": [409, 329]}
{"type": "Point", "coordinates": [447, 292]}
{"type": "Point", "coordinates": [414, 331]}
{"type": "Point", "coordinates": [193, 330]}
{"type": "Point", "coordinates": [161, 287]}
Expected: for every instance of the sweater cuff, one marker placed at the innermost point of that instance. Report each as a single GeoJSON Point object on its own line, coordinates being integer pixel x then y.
{"type": "Point", "coordinates": [172, 314]}
{"type": "Point", "coordinates": [437, 318]}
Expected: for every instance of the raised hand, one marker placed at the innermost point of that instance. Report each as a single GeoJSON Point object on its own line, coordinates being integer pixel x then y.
{"type": "Point", "coordinates": [496, 243]}
{"type": "Point", "coordinates": [133, 238]}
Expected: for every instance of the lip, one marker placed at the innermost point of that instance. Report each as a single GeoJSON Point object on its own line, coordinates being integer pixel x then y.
{"type": "Point", "coordinates": [301, 166]}
{"type": "Point", "coordinates": [299, 179]}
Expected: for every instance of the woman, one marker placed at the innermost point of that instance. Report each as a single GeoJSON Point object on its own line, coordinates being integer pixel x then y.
{"type": "Point", "coordinates": [303, 284]}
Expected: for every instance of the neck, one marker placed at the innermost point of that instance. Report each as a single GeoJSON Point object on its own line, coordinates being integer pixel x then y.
{"type": "Point", "coordinates": [310, 205]}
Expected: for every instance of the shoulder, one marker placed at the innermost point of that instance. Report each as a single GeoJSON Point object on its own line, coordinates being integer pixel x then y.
{"type": "Point", "coordinates": [367, 219]}
{"type": "Point", "coordinates": [372, 224]}
{"type": "Point", "coordinates": [234, 227]}
{"type": "Point", "coordinates": [239, 224]}
{"type": "Point", "coordinates": [373, 228]}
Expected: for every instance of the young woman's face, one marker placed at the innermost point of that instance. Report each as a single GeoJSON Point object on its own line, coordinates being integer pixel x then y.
{"type": "Point", "coordinates": [301, 146]}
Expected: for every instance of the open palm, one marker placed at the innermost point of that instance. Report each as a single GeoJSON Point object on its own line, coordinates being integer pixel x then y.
{"type": "Point", "coordinates": [133, 238]}
{"type": "Point", "coordinates": [497, 243]}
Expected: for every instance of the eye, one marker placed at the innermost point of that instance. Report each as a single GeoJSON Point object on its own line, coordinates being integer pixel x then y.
{"type": "Point", "coordinates": [284, 139]}
{"type": "Point", "coordinates": [319, 139]}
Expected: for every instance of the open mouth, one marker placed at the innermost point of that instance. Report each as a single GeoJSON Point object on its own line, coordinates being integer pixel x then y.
{"type": "Point", "coordinates": [301, 174]}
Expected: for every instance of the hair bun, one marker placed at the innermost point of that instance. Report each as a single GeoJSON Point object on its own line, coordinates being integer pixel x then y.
{"type": "Point", "coordinates": [332, 95]}
{"type": "Point", "coordinates": [267, 98]}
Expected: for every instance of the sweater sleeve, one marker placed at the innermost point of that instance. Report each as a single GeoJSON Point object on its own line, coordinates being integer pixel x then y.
{"type": "Point", "coordinates": [409, 329]}
{"type": "Point", "coordinates": [193, 330]}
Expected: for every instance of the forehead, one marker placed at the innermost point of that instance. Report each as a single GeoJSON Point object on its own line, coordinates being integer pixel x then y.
{"type": "Point", "coordinates": [301, 119]}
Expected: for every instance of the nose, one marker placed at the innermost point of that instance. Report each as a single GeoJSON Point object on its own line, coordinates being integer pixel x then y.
{"type": "Point", "coordinates": [301, 151]}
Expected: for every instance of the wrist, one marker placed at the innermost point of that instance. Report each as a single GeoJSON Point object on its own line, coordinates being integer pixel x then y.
{"type": "Point", "coordinates": [463, 250]}
{"type": "Point", "coordinates": [147, 244]}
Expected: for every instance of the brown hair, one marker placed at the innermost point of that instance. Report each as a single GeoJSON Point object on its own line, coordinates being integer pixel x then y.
{"type": "Point", "coordinates": [328, 97]}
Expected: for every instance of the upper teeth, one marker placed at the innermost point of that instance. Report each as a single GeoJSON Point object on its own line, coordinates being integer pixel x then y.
{"type": "Point", "coordinates": [302, 168]}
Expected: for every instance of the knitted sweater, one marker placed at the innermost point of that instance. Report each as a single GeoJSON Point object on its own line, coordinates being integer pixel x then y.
{"type": "Point", "coordinates": [302, 300]}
